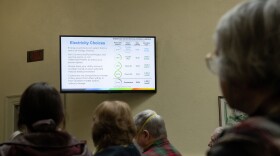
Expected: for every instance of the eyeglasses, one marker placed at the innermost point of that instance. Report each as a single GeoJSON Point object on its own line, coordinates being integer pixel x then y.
{"type": "Point", "coordinates": [212, 61]}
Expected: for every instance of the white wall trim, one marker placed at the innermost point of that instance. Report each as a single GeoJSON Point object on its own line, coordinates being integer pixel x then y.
{"type": "Point", "coordinates": [10, 104]}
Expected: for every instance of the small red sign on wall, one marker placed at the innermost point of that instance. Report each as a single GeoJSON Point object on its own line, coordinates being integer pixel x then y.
{"type": "Point", "coordinates": [35, 55]}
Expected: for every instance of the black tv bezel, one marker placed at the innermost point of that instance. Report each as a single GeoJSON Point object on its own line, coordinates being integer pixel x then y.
{"type": "Point", "coordinates": [108, 91]}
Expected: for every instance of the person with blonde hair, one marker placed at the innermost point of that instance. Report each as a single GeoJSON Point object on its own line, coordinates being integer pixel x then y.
{"type": "Point", "coordinates": [113, 129]}
{"type": "Point", "coordinates": [152, 136]}
{"type": "Point", "coordinates": [247, 62]}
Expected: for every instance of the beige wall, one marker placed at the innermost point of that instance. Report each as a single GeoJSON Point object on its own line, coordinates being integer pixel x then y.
{"type": "Point", "coordinates": [187, 91]}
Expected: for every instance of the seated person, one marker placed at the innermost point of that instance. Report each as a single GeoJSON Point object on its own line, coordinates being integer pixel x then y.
{"type": "Point", "coordinates": [113, 130]}
{"type": "Point", "coordinates": [41, 114]}
{"type": "Point", "coordinates": [152, 136]}
{"type": "Point", "coordinates": [247, 62]}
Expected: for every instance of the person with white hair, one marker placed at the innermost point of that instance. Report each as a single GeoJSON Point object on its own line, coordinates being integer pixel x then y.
{"type": "Point", "coordinates": [247, 62]}
{"type": "Point", "coordinates": [151, 135]}
{"type": "Point", "coordinates": [215, 136]}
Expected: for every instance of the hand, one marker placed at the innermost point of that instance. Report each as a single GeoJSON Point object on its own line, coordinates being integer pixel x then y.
{"type": "Point", "coordinates": [215, 136]}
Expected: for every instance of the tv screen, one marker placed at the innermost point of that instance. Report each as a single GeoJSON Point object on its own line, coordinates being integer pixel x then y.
{"type": "Point", "coordinates": [107, 64]}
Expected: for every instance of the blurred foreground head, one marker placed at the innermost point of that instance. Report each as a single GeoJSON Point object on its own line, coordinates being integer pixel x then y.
{"type": "Point", "coordinates": [247, 56]}
{"type": "Point", "coordinates": [40, 102]}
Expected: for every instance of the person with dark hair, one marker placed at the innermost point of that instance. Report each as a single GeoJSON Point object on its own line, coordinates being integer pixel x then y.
{"type": "Point", "coordinates": [247, 62]}
{"type": "Point", "coordinates": [152, 135]}
{"type": "Point", "coordinates": [113, 130]}
{"type": "Point", "coordinates": [41, 114]}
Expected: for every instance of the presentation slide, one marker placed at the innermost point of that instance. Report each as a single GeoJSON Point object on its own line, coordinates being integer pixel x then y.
{"type": "Point", "coordinates": [107, 63]}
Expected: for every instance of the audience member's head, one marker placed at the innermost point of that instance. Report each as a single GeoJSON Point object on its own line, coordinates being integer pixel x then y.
{"type": "Point", "coordinates": [112, 124]}
{"type": "Point", "coordinates": [150, 127]}
{"type": "Point", "coordinates": [247, 61]}
{"type": "Point", "coordinates": [247, 57]}
{"type": "Point", "coordinates": [40, 102]}
{"type": "Point", "coordinates": [151, 135]}
{"type": "Point", "coordinates": [40, 115]}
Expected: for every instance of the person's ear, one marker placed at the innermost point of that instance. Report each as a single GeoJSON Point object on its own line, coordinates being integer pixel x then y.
{"type": "Point", "coordinates": [146, 134]}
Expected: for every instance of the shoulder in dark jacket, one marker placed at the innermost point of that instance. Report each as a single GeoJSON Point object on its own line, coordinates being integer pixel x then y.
{"type": "Point", "coordinates": [41, 144]}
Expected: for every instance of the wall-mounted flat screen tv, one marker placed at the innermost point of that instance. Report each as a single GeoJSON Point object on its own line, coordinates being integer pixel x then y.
{"type": "Point", "coordinates": [106, 64]}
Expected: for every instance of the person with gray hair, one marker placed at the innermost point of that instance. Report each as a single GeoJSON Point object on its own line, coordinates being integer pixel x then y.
{"type": "Point", "coordinates": [247, 62]}
{"type": "Point", "coordinates": [151, 135]}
